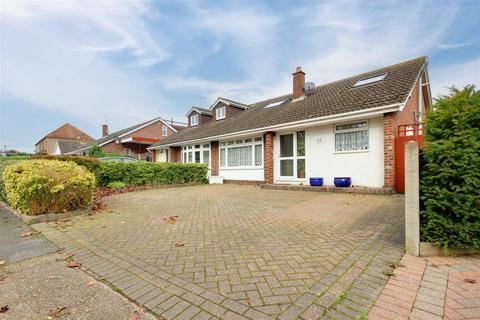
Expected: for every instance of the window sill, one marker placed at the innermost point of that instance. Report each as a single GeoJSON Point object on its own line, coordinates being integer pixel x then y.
{"type": "Point", "coordinates": [352, 151]}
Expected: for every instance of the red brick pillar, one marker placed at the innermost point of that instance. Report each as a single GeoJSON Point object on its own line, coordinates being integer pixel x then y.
{"type": "Point", "coordinates": [268, 157]}
{"type": "Point", "coordinates": [154, 155]}
{"type": "Point", "coordinates": [389, 134]}
{"type": "Point", "coordinates": [214, 158]}
{"type": "Point", "coordinates": [175, 154]}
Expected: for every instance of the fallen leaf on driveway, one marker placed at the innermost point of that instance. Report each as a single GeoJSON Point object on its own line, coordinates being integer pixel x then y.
{"type": "Point", "coordinates": [26, 234]}
{"type": "Point", "coordinates": [55, 311]}
{"type": "Point", "coordinates": [73, 265]}
{"type": "Point", "coordinates": [134, 316]}
{"type": "Point", "coordinates": [90, 283]}
{"type": "Point", "coordinates": [50, 278]}
{"type": "Point", "coordinates": [178, 245]}
{"type": "Point", "coordinates": [3, 309]}
{"type": "Point", "coordinates": [470, 280]}
{"type": "Point", "coordinates": [171, 219]}
{"type": "Point", "coordinates": [2, 262]}
{"type": "Point", "coordinates": [2, 277]}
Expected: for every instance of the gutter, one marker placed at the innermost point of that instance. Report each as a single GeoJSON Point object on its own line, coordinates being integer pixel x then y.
{"type": "Point", "coordinates": [305, 123]}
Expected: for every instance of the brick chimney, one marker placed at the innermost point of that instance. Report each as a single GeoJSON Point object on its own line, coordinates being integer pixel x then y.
{"type": "Point", "coordinates": [104, 130]}
{"type": "Point", "coordinates": [298, 83]}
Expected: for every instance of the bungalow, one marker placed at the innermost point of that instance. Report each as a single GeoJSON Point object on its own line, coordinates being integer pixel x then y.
{"type": "Point", "coordinates": [66, 134]}
{"type": "Point", "coordinates": [343, 128]}
{"type": "Point", "coordinates": [134, 141]}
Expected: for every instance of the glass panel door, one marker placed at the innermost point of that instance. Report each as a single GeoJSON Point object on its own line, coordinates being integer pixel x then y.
{"type": "Point", "coordinates": [292, 155]}
{"type": "Point", "coordinates": [286, 155]}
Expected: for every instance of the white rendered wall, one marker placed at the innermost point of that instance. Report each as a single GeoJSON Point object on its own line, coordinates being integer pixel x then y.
{"type": "Point", "coordinates": [241, 174]}
{"type": "Point", "coordinates": [365, 167]}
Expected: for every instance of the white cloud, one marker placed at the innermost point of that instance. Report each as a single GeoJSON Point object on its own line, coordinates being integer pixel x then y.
{"type": "Point", "coordinates": [360, 37]}
{"type": "Point", "coordinates": [99, 25]}
{"type": "Point", "coordinates": [458, 75]}
{"type": "Point", "coordinates": [448, 46]}
{"type": "Point", "coordinates": [57, 55]}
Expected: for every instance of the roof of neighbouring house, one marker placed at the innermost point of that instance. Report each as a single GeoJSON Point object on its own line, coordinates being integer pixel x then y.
{"type": "Point", "coordinates": [67, 131]}
{"type": "Point", "coordinates": [66, 146]}
{"type": "Point", "coordinates": [176, 126]}
{"type": "Point", "coordinates": [335, 98]}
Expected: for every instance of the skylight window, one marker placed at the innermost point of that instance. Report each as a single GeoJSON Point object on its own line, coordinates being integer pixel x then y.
{"type": "Point", "coordinates": [370, 80]}
{"type": "Point", "coordinates": [274, 104]}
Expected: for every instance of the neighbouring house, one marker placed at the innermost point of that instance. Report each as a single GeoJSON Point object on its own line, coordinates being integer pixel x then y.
{"type": "Point", "coordinates": [134, 141]}
{"type": "Point", "coordinates": [345, 128]}
{"type": "Point", "coordinates": [66, 133]}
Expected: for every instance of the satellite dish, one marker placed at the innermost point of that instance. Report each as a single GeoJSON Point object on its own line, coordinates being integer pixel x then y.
{"type": "Point", "coordinates": [308, 87]}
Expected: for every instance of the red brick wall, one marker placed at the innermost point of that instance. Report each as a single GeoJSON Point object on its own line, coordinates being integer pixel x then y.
{"type": "Point", "coordinates": [268, 157]}
{"type": "Point", "coordinates": [298, 83]}
{"type": "Point", "coordinates": [153, 131]}
{"type": "Point", "coordinates": [202, 118]}
{"type": "Point", "coordinates": [391, 121]}
{"type": "Point", "coordinates": [229, 110]}
{"type": "Point", "coordinates": [214, 157]}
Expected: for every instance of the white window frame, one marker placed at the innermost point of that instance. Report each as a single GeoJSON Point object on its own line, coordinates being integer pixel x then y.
{"type": "Point", "coordinates": [339, 131]}
{"type": "Point", "coordinates": [221, 113]}
{"type": "Point", "coordinates": [164, 131]}
{"type": "Point", "coordinates": [194, 120]}
{"type": "Point", "coordinates": [228, 144]}
{"type": "Point", "coordinates": [295, 157]}
{"type": "Point", "coordinates": [190, 149]}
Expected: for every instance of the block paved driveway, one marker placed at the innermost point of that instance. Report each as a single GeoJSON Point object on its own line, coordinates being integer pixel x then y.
{"type": "Point", "coordinates": [241, 252]}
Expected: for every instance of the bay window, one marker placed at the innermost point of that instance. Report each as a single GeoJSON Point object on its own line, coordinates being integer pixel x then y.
{"type": "Point", "coordinates": [351, 137]}
{"type": "Point", "coordinates": [241, 153]}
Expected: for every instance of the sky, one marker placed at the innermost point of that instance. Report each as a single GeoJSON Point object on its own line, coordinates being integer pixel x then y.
{"type": "Point", "coordinates": [123, 62]}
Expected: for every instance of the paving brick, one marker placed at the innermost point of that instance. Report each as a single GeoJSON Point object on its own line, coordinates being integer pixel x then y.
{"type": "Point", "coordinates": [214, 309]}
{"type": "Point", "coordinates": [264, 249]}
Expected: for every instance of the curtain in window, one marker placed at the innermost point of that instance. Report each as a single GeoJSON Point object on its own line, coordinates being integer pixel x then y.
{"type": "Point", "coordinates": [240, 156]}
{"type": "Point", "coordinates": [206, 156]}
{"type": "Point", "coordinates": [258, 155]}
{"type": "Point", "coordinates": [222, 157]}
{"type": "Point", "coordinates": [351, 141]}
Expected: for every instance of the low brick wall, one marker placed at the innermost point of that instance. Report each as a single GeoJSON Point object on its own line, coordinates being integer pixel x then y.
{"type": "Point", "coordinates": [357, 190]}
{"type": "Point", "coordinates": [244, 182]}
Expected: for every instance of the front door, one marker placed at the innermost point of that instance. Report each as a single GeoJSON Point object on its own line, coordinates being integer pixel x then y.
{"type": "Point", "coordinates": [292, 155]}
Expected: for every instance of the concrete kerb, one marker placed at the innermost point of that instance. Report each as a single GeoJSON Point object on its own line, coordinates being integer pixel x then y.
{"type": "Point", "coordinates": [48, 217]}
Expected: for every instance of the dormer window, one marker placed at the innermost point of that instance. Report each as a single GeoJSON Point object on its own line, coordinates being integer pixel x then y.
{"type": "Point", "coordinates": [194, 120]}
{"type": "Point", "coordinates": [164, 131]}
{"type": "Point", "coordinates": [220, 113]}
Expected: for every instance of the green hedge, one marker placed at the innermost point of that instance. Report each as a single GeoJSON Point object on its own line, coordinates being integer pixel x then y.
{"type": "Point", "coordinates": [92, 164]}
{"type": "Point", "coordinates": [142, 173]}
{"type": "Point", "coordinates": [48, 186]}
{"type": "Point", "coordinates": [450, 177]}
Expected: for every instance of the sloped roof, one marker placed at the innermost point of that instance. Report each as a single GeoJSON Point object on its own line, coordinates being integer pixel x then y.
{"type": "Point", "coordinates": [199, 110]}
{"type": "Point", "coordinates": [67, 131]}
{"type": "Point", "coordinates": [115, 135]}
{"type": "Point", "coordinates": [333, 98]}
{"type": "Point", "coordinates": [66, 146]}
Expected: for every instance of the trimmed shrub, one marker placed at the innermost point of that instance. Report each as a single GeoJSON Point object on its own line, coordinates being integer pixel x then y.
{"type": "Point", "coordinates": [48, 186]}
{"type": "Point", "coordinates": [4, 162]}
{"type": "Point", "coordinates": [116, 185]}
{"type": "Point", "coordinates": [142, 173]}
{"type": "Point", "coordinates": [92, 164]}
{"type": "Point", "coordinates": [450, 175]}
